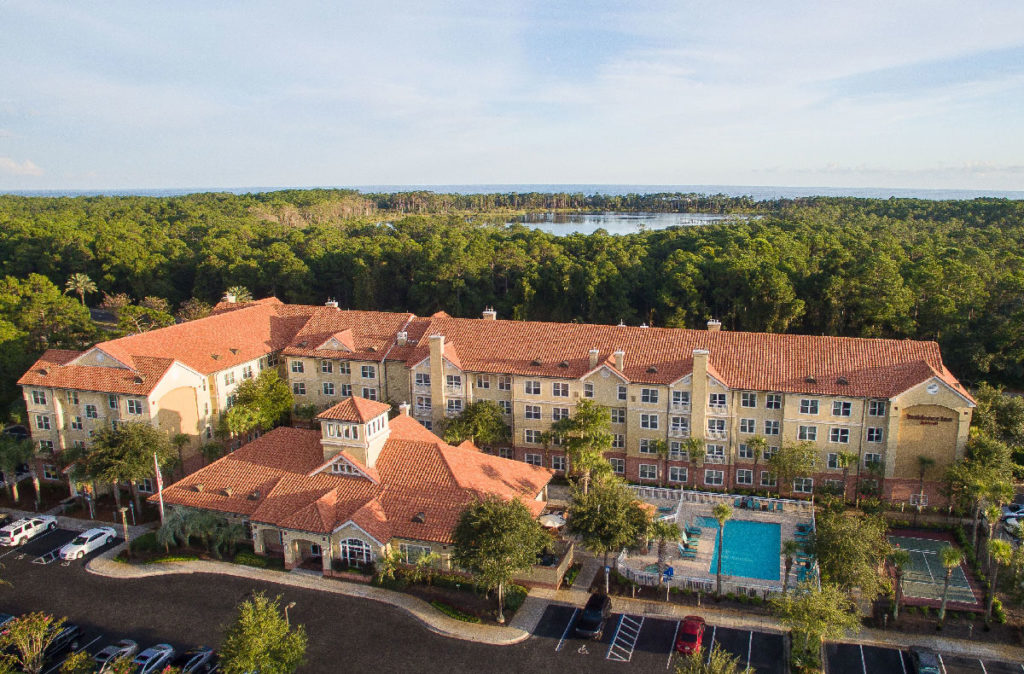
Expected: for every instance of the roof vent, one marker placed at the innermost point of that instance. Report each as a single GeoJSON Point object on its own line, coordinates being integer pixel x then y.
{"type": "Point", "coordinates": [254, 495]}
{"type": "Point", "coordinates": [215, 356]}
{"type": "Point", "coordinates": [621, 324]}
{"type": "Point", "coordinates": [811, 379]}
{"type": "Point", "coordinates": [302, 345]}
{"type": "Point", "coordinates": [535, 362]}
{"type": "Point", "coordinates": [44, 371]}
{"type": "Point", "coordinates": [234, 351]}
{"type": "Point", "coordinates": [138, 379]}
{"type": "Point", "coordinates": [652, 369]}
{"type": "Point", "coordinates": [842, 381]}
{"type": "Point", "coordinates": [564, 363]}
{"type": "Point", "coordinates": [332, 303]}
{"type": "Point", "coordinates": [228, 491]}
{"type": "Point", "coordinates": [372, 349]}
{"type": "Point", "coordinates": [420, 517]}
{"type": "Point", "coordinates": [643, 325]}
{"type": "Point", "coordinates": [198, 486]}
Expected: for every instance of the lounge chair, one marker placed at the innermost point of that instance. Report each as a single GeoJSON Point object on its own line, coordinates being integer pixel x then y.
{"type": "Point", "coordinates": [694, 531]}
{"type": "Point", "coordinates": [805, 527]}
{"type": "Point", "coordinates": [685, 553]}
{"type": "Point", "coordinates": [738, 503]}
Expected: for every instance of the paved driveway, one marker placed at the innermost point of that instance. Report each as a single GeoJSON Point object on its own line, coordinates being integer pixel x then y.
{"type": "Point", "coordinates": [856, 659]}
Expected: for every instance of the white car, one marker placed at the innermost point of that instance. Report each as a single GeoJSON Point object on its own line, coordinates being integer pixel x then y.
{"type": "Point", "coordinates": [125, 648]}
{"type": "Point", "coordinates": [153, 659]}
{"type": "Point", "coordinates": [20, 531]}
{"type": "Point", "coordinates": [87, 541]}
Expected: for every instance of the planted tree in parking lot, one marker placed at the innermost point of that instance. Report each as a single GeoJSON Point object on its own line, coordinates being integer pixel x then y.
{"type": "Point", "coordinates": [27, 637]}
{"type": "Point", "coordinates": [261, 639]}
{"type": "Point", "coordinates": [494, 540]}
{"type": "Point", "coordinates": [814, 615]}
{"type": "Point", "coordinates": [717, 661]}
{"type": "Point", "coordinates": [80, 662]}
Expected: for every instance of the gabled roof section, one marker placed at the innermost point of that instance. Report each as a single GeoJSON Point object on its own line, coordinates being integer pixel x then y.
{"type": "Point", "coordinates": [355, 410]}
{"type": "Point", "coordinates": [339, 341]}
{"type": "Point", "coordinates": [357, 466]}
{"type": "Point", "coordinates": [371, 334]}
{"type": "Point", "coordinates": [55, 369]}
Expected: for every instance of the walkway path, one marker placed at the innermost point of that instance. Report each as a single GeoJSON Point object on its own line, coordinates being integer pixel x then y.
{"type": "Point", "coordinates": [76, 524]}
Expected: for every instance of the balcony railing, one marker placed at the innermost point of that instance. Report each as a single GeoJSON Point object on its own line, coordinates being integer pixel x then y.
{"type": "Point", "coordinates": [453, 412]}
{"type": "Point", "coordinates": [422, 411]}
{"type": "Point", "coordinates": [678, 456]}
{"type": "Point", "coordinates": [681, 407]}
{"type": "Point", "coordinates": [421, 388]}
{"type": "Point", "coordinates": [454, 390]}
{"type": "Point", "coordinates": [717, 435]}
{"type": "Point", "coordinates": [714, 459]}
{"type": "Point", "coordinates": [679, 432]}
{"type": "Point", "coordinates": [718, 409]}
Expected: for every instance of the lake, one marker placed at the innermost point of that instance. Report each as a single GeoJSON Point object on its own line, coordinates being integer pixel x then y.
{"type": "Point", "coordinates": [562, 224]}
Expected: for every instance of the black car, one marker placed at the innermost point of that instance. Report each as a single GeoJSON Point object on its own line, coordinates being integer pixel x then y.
{"type": "Point", "coordinates": [68, 636]}
{"type": "Point", "coordinates": [200, 659]}
{"type": "Point", "coordinates": [591, 622]}
{"type": "Point", "coordinates": [926, 661]}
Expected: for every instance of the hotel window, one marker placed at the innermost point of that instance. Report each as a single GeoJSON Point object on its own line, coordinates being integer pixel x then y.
{"type": "Point", "coordinates": [839, 435]}
{"type": "Point", "coordinates": [247, 372]}
{"type": "Point", "coordinates": [648, 446]}
{"type": "Point", "coordinates": [745, 451]}
{"type": "Point", "coordinates": [770, 451]}
{"type": "Point", "coordinates": [42, 422]}
{"type": "Point", "coordinates": [649, 421]}
{"type": "Point", "coordinates": [834, 486]}
{"type": "Point", "coordinates": [773, 401]}
{"type": "Point", "coordinates": [558, 413]}
{"type": "Point", "coordinates": [273, 359]}
{"type": "Point", "coordinates": [483, 381]}
{"type": "Point", "coordinates": [649, 395]}
{"type": "Point", "coordinates": [424, 403]}
{"type": "Point", "coordinates": [532, 436]}
{"type": "Point", "coordinates": [531, 387]}
{"type": "Point", "coordinates": [422, 379]}
{"type": "Point", "coordinates": [872, 458]}
{"type": "Point", "coordinates": [332, 430]}
{"type": "Point", "coordinates": [229, 378]}
{"type": "Point", "coordinates": [326, 366]}
{"type": "Point", "coordinates": [344, 367]}
{"type": "Point", "coordinates": [134, 406]}
{"type": "Point", "coordinates": [46, 446]}
{"type": "Point", "coordinates": [677, 474]}
{"type": "Point", "coordinates": [618, 465]}
{"type": "Point", "coordinates": [841, 409]}
{"type": "Point", "coordinates": [39, 397]}
{"type": "Point", "coordinates": [808, 406]}
{"type": "Point", "coordinates": [833, 461]}
{"type": "Point", "coordinates": [680, 397]}
{"type": "Point", "coordinates": [369, 393]}
{"type": "Point", "coordinates": [299, 388]}
{"type": "Point", "coordinates": [748, 399]}
{"type": "Point", "coordinates": [112, 402]}
{"type": "Point", "coordinates": [767, 479]}
{"type": "Point", "coordinates": [648, 471]}
{"type": "Point", "coordinates": [875, 435]}
{"type": "Point", "coordinates": [748, 425]}
{"type": "Point", "coordinates": [876, 408]}
{"type": "Point", "coordinates": [298, 367]}
{"type": "Point", "coordinates": [91, 412]}
{"type": "Point", "coordinates": [716, 425]}
{"type": "Point", "coordinates": [560, 390]}
{"type": "Point", "coordinates": [328, 388]}
{"type": "Point", "coordinates": [533, 459]}
{"type": "Point", "coordinates": [620, 392]}
{"type": "Point", "coordinates": [715, 451]}
{"type": "Point", "coordinates": [618, 415]}
{"type": "Point", "coordinates": [716, 400]}
{"type": "Point", "coordinates": [714, 478]}
{"type": "Point", "coordinates": [745, 476]}
{"type": "Point", "coordinates": [367, 371]}
{"type": "Point", "coordinates": [618, 441]}
{"type": "Point", "coordinates": [803, 485]}
{"type": "Point", "coordinates": [588, 390]}
{"type": "Point", "coordinates": [504, 382]}
{"type": "Point", "coordinates": [558, 463]}
{"type": "Point", "coordinates": [453, 381]}
{"type": "Point", "coordinates": [506, 453]}
{"type": "Point", "coordinates": [428, 424]}
{"type": "Point", "coordinates": [676, 452]}
{"type": "Point", "coordinates": [506, 406]}
{"type": "Point", "coordinates": [532, 412]}
{"type": "Point", "coordinates": [76, 423]}
{"type": "Point", "coordinates": [412, 553]}
{"type": "Point", "coordinates": [680, 424]}
{"type": "Point", "coordinates": [807, 433]}
{"type": "Point", "coordinates": [49, 471]}
{"type": "Point", "coordinates": [455, 405]}
{"type": "Point", "coordinates": [346, 390]}
{"type": "Point", "coordinates": [230, 400]}
{"type": "Point", "coordinates": [919, 499]}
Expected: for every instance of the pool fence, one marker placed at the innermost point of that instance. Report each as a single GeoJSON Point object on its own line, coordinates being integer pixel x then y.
{"type": "Point", "coordinates": [805, 508]}
{"type": "Point", "coordinates": [705, 585]}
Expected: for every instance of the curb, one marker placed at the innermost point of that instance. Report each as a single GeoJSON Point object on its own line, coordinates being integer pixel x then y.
{"type": "Point", "coordinates": [433, 620]}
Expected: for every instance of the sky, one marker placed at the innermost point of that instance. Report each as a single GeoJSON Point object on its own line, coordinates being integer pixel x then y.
{"type": "Point", "coordinates": [118, 95]}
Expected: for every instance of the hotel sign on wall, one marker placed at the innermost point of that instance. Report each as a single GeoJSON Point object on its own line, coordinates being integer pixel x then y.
{"type": "Point", "coordinates": [929, 421]}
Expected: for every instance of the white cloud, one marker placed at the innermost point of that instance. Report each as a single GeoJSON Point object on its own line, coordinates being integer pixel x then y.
{"type": "Point", "coordinates": [25, 168]}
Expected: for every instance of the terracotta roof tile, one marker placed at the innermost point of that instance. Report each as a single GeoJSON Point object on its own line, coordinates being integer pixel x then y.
{"type": "Point", "coordinates": [371, 333]}
{"type": "Point", "coordinates": [356, 410]}
{"type": "Point", "coordinates": [54, 369]}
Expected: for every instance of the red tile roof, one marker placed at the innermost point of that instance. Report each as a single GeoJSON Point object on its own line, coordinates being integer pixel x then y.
{"type": "Point", "coordinates": [418, 473]}
{"type": "Point", "coordinates": [371, 333]}
{"type": "Point", "coordinates": [54, 369]}
{"type": "Point", "coordinates": [355, 410]}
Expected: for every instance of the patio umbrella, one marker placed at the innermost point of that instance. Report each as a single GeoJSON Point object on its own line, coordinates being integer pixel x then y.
{"type": "Point", "coordinates": [552, 521]}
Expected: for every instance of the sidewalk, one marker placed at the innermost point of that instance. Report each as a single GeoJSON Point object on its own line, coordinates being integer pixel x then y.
{"type": "Point", "coordinates": [76, 524]}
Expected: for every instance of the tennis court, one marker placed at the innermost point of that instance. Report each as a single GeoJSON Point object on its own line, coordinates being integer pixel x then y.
{"type": "Point", "coordinates": [925, 576]}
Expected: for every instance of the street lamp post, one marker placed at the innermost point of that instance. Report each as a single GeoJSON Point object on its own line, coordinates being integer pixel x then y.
{"type": "Point", "coordinates": [124, 521]}
{"type": "Point", "coordinates": [287, 606]}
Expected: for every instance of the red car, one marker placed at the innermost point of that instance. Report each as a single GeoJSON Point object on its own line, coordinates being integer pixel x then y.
{"type": "Point", "coordinates": [691, 634]}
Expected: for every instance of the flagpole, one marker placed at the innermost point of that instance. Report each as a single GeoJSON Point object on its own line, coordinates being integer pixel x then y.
{"type": "Point", "coordinates": [159, 487]}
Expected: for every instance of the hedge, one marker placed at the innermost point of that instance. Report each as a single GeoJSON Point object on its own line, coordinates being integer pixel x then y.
{"type": "Point", "coordinates": [453, 612]}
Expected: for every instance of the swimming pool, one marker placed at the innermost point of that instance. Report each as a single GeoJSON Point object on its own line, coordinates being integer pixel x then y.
{"type": "Point", "coordinates": [751, 548]}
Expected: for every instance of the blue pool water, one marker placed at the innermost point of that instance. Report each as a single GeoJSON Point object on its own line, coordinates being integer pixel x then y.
{"type": "Point", "coordinates": [751, 548]}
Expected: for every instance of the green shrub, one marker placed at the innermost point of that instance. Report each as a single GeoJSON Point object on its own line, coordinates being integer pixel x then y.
{"type": "Point", "coordinates": [172, 558]}
{"type": "Point", "coordinates": [571, 573]}
{"type": "Point", "coordinates": [925, 611]}
{"type": "Point", "coordinates": [145, 543]}
{"type": "Point", "coordinates": [998, 612]}
{"type": "Point", "coordinates": [515, 595]}
{"type": "Point", "coordinates": [251, 559]}
{"type": "Point", "coordinates": [453, 612]}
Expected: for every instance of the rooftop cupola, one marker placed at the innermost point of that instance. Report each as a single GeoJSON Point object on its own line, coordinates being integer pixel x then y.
{"type": "Point", "coordinates": [357, 426]}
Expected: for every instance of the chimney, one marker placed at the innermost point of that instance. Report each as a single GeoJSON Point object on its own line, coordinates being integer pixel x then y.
{"type": "Point", "coordinates": [230, 298]}
{"type": "Point", "coordinates": [593, 358]}
{"type": "Point", "coordinates": [436, 347]}
{"type": "Point", "coordinates": [332, 303]}
{"type": "Point", "coordinates": [402, 338]}
{"type": "Point", "coordinates": [620, 359]}
{"type": "Point", "coordinates": [404, 408]}
{"type": "Point", "coordinates": [490, 314]}
{"type": "Point", "coordinates": [714, 326]}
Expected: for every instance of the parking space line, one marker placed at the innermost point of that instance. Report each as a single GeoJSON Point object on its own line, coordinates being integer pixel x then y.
{"type": "Point", "coordinates": [863, 665]}
{"type": "Point", "coordinates": [31, 540]}
{"type": "Point", "coordinates": [627, 633]}
{"type": "Point", "coordinates": [983, 670]}
{"type": "Point", "coordinates": [712, 644]}
{"type": "Point", "coordinates": [48, 557]}
{"type": "Point", "coordinates": [750, 645]}
{"type": "Point", "coordinates": [58, 665]}
{"type": "Point", "coordinates": [561, 642]}
{"type": "Point", "coordinates": [672, 646]}
{"type": "Point", "coordinates": [942, 663]}
{"type": "Point", "coordinates": [902, 663]}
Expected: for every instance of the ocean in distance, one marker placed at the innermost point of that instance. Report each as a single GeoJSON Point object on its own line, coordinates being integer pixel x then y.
{"type": "Point", "coordinates": [758, 193]}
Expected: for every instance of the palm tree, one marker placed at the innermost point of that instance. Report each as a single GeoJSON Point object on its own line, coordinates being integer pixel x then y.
{"type": "Point", "coordinates": [81, 285]}
{"type": "Point", "coordinates": [180, 440]}
{"type": "Point", "coordinates": [663, 531]}
{"type": "Point", "coordinates": [1000, 553]}
{"type": "Point", "coordinates": [992, 515]}
{"type": "Point", "coordinates": [951, 558]}
{"type": "Point", "coordinates": [660, 448]}
{"type": "Point", "coordinates": [721, 512]}
{"type": "Point", "coordinates": [789, 550]}
{"type": "Point", "coordinates": [844, 460]}
{"type": "Point", "coordinates": [694, 448]}
{"type": "Point", "coordinates": [758, 445]}
{"type": "Point", "coordinates": [240, 293]}
{"type": "Point", "coordinates": [923, 464]}
{"type": "Point", "coordinates": [899, 559]}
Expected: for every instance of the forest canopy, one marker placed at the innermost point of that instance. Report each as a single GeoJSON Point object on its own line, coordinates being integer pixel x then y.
{"type": "Point", "coordinates": [949, 271]}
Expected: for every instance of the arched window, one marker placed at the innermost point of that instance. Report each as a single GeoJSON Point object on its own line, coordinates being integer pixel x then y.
{"type": "Point", "coordinates": [355, 551]}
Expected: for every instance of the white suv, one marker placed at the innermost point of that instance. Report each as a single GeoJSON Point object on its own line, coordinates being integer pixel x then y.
{"type": "Point", "coordinates": [20, 531]}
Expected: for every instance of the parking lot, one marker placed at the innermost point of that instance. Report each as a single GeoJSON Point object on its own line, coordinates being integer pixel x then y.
{"type": "Point", "coordinates": [43, 549]}
{"type": "Point", "coordinates": [856, 659]}
{"type": "Point", "coordinates": [648, 643]}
